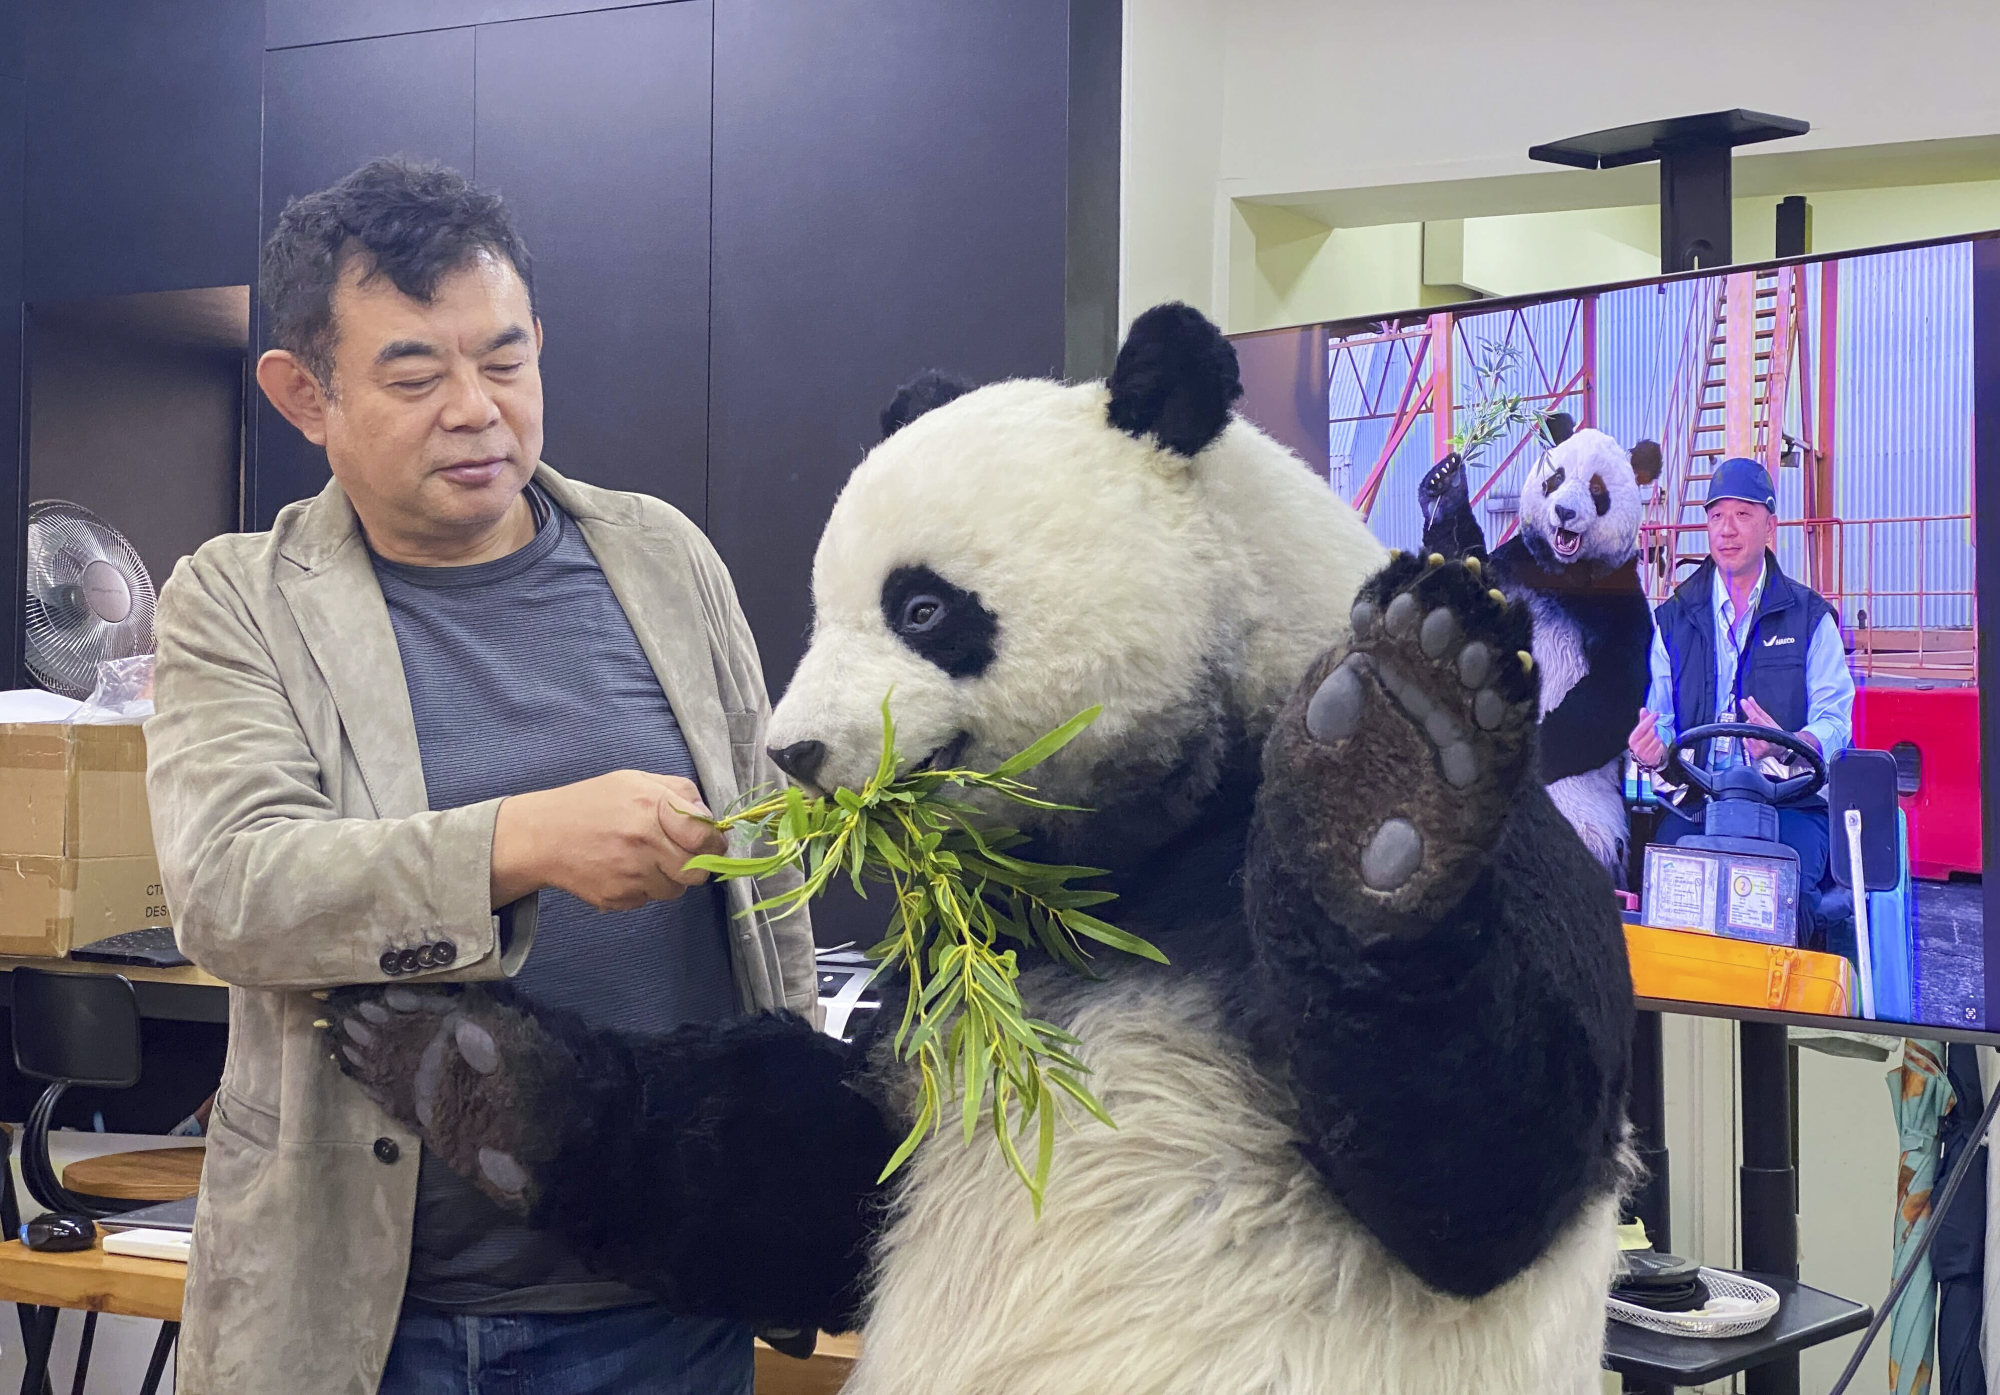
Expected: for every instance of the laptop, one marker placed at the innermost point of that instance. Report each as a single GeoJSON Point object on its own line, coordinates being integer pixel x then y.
{"type": "Point", "coordinates": [168, 1215]}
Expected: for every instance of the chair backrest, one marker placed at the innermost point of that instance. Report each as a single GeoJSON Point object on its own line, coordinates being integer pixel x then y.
{"type": "Point", "coordinates": [81, 1029]}
{"type": "Point", "coordinates": [1864, 780]}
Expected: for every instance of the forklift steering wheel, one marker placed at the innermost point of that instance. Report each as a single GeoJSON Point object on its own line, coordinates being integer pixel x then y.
{"type": "Point", "coordinates": [1787, 791]}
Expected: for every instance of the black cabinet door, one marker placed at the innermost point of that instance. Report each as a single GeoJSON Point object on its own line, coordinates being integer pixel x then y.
{"type": "Point", "coordinates": [595, 128]}
{"type": "Point", "coordinates": [142, 145]}
{"type": "Point", "coordinates": [13, 469]}
{"type": "Point", "coordinates": [889, 197]}
{"type": "Point", "coordinates": [327, 110]}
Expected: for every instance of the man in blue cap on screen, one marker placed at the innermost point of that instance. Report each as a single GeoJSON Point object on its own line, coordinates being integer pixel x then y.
{"type": "Point", "coordinates": [1739, 641]}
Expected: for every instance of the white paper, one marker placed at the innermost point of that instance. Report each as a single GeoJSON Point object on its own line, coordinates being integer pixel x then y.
{"type": "Point", "coordinates": [1683, 892]}
{"type": "Point", "coordinates": [1753, 900]}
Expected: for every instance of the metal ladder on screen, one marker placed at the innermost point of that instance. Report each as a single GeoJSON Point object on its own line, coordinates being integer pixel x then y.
{"type": "Point", "coordinates": [1741, 381]}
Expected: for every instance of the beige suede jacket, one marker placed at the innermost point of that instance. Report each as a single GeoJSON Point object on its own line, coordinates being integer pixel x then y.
{"type": "Point", "coordinates": [299, 852]}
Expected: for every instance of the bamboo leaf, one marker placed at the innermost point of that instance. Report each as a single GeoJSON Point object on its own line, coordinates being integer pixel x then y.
{"type": "Point", "coordinates": [1048, 745]}
{"type": "Point", "coordinates": [1093, 928]}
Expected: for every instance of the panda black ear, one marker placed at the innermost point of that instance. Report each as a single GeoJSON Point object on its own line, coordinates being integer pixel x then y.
{"type": "Point", "coordinates": [1646, 461]}
{"type": "Point", "coordinates": [1560, 426]}
{"type": "Point", "coordinates": [1175, 379]}
{"type": "Point", "coordinates": [923, 393]}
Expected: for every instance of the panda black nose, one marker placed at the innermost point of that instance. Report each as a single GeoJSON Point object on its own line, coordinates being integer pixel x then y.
{"type": "Point", "coordinates": [1564, 513]}
{"type": "Point", "coordinates": [801, 760]}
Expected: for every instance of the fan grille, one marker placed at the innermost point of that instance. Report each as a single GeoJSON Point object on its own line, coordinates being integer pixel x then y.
{"type": "Point", "coordinates": [89, 597]}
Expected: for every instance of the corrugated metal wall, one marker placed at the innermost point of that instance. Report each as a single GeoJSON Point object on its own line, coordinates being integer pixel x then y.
{"type": "Point", "coordinates": [1903, 439]}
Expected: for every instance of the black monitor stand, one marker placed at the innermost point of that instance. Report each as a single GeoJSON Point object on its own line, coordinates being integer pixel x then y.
{"type": "Point", "coordinates": [1694, 154]}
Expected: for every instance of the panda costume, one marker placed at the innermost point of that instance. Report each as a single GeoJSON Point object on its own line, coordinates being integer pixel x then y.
{"type": "Point", "coordinates": [1574, 563]}
{"type": "Point", "coordinates": [1370, 1129]}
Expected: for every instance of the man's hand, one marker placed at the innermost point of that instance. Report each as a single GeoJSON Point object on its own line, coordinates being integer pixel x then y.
{"type": "Point", "coordinates": [1754, 713]}
{"type": "Point", "coordinates": [1644, 743]}
{"type": "Point", "coordinates": [617, 841]}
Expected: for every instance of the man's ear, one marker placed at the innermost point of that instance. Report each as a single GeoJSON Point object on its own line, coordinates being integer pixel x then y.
{"type": "Point", "coordinates": [295, 392]}
{"type": "Point", "coordinates": [538, 336]}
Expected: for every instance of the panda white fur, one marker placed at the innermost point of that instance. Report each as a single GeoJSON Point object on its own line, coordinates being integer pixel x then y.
{"type": "Point", "coordinates": [1370, 1119]}
{"type": "Point", "coordinates": [1574, 562]}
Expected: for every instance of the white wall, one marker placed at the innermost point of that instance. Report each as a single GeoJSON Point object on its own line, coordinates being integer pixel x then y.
{"type": "Point", "coordinates": [1260, 99]}
{"type": "Point", "coordinates": [1172, 121]}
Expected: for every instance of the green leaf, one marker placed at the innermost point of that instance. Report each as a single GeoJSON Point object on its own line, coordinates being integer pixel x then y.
{"type": "Point", "coordinates": [1047, 745]}
{"type": "Point", "coordinates": [1093, 928]}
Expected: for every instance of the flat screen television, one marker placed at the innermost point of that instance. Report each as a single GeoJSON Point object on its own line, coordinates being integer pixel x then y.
{"type": "Point", "coordinates": [1868, 385]}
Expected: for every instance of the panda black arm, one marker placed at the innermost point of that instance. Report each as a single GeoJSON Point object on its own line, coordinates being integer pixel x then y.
{"type": "Point", "coordinates": [1589, 726]}
{"type": "Point", "coordinates": [1441, 972]}
{"type": "Point", "coordinates": [729, 1168]}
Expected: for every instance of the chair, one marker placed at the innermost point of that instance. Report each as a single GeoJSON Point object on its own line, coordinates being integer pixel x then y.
{"type": "Point", "coordinates": [71, 1029]}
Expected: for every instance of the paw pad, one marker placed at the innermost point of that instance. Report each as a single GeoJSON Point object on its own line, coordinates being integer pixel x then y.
{"type": "Point", "coordinates": [1392, 856]}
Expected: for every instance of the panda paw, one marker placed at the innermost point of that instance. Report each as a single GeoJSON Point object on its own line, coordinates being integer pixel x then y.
{"type": "Point", "coordinates": [1399, 760]}
{"type": "Point", "coordinates": [479, 1079]}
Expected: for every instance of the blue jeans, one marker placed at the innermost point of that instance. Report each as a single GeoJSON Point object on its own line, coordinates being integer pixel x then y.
{"type": "Point", "coordinates": [618, 1351]}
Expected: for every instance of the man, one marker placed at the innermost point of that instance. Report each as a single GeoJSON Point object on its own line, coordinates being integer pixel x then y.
{"type": "Point", "coordinates": [455, 718]}
{"type": "Point", "coordinates": [1739, 641]}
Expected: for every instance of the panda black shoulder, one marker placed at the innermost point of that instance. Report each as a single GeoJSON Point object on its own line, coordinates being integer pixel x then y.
{"type": "Point", "coordinates": [1513, 566]}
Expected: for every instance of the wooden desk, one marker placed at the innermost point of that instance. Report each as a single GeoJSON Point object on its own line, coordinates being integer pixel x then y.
{"type": "Point", "coordinates": [152, 1288]}
{"type": "Point", "coordinates": [186, 974]}
{"type": "Point", "coordinates": [184, 994]}
{"type": "Point", "coordinates": [92, 1280]}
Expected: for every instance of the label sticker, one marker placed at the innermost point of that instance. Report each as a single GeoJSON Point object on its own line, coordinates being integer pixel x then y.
{"type": "Point", "coordinates": [1753, 900]}
{"type": "Point", "coordinates": [1683, 892]}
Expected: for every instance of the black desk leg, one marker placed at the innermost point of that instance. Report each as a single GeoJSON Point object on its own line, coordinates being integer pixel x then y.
{"type": "Point", "coordinates": [157, 1367]}
{"type": "Point", "coordinates": [83, 1353]}
{"type": "Point", "coordinates": [40, 1333]}
{"type": "Point", "coordinates": [30, 1321]}
{"type": "Point", "coordinates": [1768, 1184]}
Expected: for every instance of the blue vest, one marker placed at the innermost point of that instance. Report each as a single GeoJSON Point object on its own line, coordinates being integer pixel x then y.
{"type": "Point", "coordinates": [1772, 667]}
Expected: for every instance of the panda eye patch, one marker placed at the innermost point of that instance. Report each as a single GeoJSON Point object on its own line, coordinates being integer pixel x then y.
{"type": "Point", "coordinates": [938, 621]}
{"type": "Point", "coordinates": [1554, 481]}
{"type": "Point", "coordinates": [1600, 495]}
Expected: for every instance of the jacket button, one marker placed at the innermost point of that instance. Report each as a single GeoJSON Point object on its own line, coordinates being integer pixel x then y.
{"type": "Point", "coordinates": [443, 952]}
{"type": "Point", "coordinates": [425, 959]}
{"type": "Point", "coordinates": [391, 962]}
{"type": "Point", "coordinates": [386, 1150]}
{"type": "Point", "coordinates": [409, 961]}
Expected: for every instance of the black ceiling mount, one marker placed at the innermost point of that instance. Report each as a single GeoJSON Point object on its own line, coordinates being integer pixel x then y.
{"type": "Point", "coordinates": [1694, 153]}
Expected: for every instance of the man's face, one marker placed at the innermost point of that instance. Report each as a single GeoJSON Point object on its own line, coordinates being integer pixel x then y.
{"type": "Point", "coordinates": [434, 422]}
{"type": "Point", "coordinates": [1738, 535]}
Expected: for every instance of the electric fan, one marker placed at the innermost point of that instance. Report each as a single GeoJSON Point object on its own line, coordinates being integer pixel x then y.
{"type": "Point", "coordinates": [89, 598]}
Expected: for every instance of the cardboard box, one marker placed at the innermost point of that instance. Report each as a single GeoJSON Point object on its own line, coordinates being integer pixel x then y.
{"type": "Point", "coordinates": [51, 905]}
{"type": "Point", "coordinates": [73, 791]}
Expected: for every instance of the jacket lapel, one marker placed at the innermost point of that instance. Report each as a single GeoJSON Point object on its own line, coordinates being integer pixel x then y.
{"type": "Point", "coordinates": [652, 575]}
{"type": "Point", "coordinates": [338, 607]}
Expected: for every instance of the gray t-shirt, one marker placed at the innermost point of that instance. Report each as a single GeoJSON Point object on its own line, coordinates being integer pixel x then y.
{"type": "Point", "coordinates": [524, 674]}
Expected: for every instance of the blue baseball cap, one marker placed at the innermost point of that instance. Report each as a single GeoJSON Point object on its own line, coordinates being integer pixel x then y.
{"type": "Point", "coordinates": [1738, 478]}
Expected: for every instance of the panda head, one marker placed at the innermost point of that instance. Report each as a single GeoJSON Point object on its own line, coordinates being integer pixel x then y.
{"type": "Point", "coordinates": [1581, 504]}
{"type": "Point", "coordinates": [1013, 554]}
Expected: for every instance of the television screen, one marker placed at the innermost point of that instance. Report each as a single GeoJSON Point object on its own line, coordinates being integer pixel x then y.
{"type": "Point", "coordinates": [1780, 460]}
